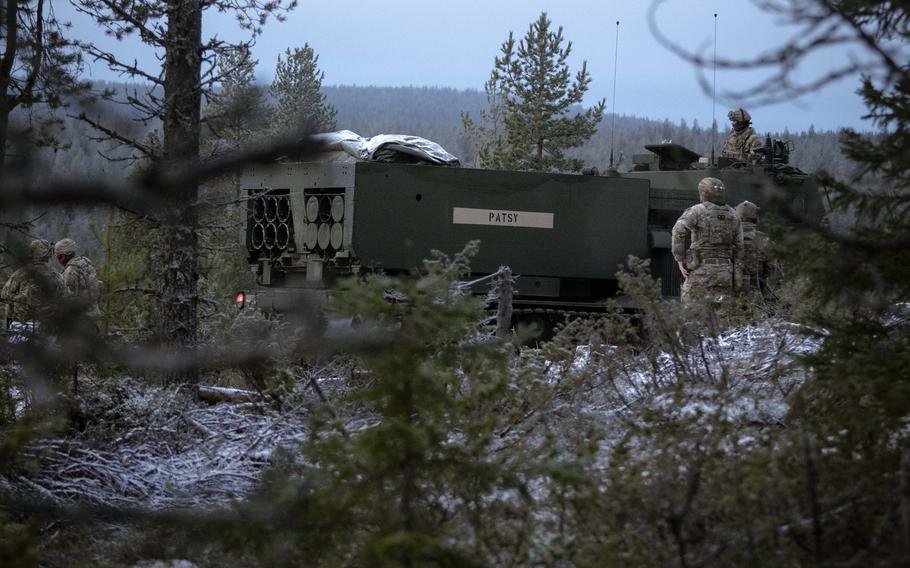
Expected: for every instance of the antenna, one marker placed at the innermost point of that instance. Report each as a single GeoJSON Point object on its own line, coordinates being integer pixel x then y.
{"type": "Point", "coordinates": [613, 102]}
{"type": "Point", "coordinates": [714, 96]}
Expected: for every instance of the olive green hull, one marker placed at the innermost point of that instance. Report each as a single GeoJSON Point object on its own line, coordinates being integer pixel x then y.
{"type": "Point", "coordinates": [565, 236]}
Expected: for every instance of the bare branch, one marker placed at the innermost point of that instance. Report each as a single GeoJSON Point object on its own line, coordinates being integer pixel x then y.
{"type": "Point", "coordinates": [821, 30]}
{"type": "Point", "coordinates": [128, 69]}
{"type": "Point", "coordinates": [148, 151]}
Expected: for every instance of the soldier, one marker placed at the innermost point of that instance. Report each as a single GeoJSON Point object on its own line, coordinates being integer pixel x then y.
{"type": "Point", "coordinates": [709, 265]}
{"type": "Point", "coordinates": [755, 265]}
{"type": "Point", "coordinates": [742, 142]}
{"type": "Point", "coordinates": [32, 292]}
{"type": "Point", "coordinates": [79, 278]}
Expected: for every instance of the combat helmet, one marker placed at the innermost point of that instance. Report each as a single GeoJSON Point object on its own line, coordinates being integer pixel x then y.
{"type": "Point", "coordinates": [713, 190]}
{"type": "Point", "coordinates": [747, 211]}
{"type": "Point", "coordinates": [739, 115]}
{"type": "Point", "coordinates": [65, 247]}
{"type": "Point", "coordinates": [40, 250]}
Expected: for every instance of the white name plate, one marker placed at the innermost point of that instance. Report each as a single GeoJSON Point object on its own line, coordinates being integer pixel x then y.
{"type": "Point", "coordinates": [501, 218]}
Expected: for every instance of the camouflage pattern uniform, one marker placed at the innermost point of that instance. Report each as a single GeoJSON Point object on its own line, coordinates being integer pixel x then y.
{"type": "Point", "coordinates": [79, 278]}
{"type": "Point", "coordinates": [756, 267]}
{"type": "Point", "coordinates": [742, 141]}
{"type": "Point", "coordinates": [716, 233]}
{"type": "Point", "coordinates": [32, 292]}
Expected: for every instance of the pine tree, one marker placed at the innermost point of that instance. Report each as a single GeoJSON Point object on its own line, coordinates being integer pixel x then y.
{"type": "Point", "coordinates": [297, 89]}
{"type": "Point", "coordinates": [238, 111]}
{"type": "Point", "coordinates": [533, 84]}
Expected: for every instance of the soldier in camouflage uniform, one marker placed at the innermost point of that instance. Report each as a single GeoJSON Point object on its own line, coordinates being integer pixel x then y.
{"type": "Point", "coordinates": [79, 278]}
{"type": "Point", "coordinates": [742, 142]}
{"type": "Point", "coordinates": [756, 267]}
{"type": "Point", "coordinates": [710, 266]}
{"type": "Point", "coordinates": [32, 292]}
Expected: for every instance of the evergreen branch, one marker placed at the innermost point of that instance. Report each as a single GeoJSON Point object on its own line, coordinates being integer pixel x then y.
{"type": "Point", "coordinates": [114, 23]}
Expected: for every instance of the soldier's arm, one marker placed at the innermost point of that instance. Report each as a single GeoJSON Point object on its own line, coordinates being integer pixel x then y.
{"type": "Point", "coordinates": [754, 146]}
{"type": "Point", "coordinates": [729, 148]}
{"type": "Point", "coordinates": [60, 285]}
{"type": "Point", "coordinates": [5, 312]}
{"type": "Point", "coordinates": [678, 242]}
{"type": "Point", "coordinates": [10, 288]}
{"type": "Point", "coordinates": [16, 289]}
{"type": "Point", "coordinates": [69, 281]}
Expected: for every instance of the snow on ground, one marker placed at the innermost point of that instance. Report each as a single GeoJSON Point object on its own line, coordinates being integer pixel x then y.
{"type": "Point", "coordinates": [755, 366]}
{"type": "Point", "coordinates": [150, 446]}
{"type": "Point", "coordinates": [752, 364]}
{"type": "Point", "coordinates": [742, 377]}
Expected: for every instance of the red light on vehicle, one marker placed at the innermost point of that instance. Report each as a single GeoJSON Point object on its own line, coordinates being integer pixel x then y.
{"type": "Point", "coordinates": [240, 299]}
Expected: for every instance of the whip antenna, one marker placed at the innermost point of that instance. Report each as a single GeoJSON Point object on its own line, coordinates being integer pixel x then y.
{"type": "Point", "coordinates": [714, 95]}
{"type": "Point", "coordinates": [613, 102]}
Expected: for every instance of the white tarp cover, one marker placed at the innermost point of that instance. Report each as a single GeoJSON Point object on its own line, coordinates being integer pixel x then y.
{"type": "Point", "coordinates": [389, 148]}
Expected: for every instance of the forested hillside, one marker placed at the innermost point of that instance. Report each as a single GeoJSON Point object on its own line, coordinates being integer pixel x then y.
{"type": "Point", "coordinates": [435, 113]}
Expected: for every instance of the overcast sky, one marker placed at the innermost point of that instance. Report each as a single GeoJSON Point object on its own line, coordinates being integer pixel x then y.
{"type": "Point", "coordinates": [452, 44]}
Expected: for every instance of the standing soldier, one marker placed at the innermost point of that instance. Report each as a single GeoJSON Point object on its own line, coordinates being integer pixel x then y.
{"type": "Point", "coordinates": [32, 292]}
{"type": "Point", "coordinates": [717, 239]}
{"type": "Point", "coordinates": [79, 277]}
{"type": "Point", "coordinates": [755, 266]}
{"type": "Point", "coordinates": [742, 142]}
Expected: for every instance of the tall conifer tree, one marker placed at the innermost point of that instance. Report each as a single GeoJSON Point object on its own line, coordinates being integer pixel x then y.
{"type": "Point", "coordinates": [532, 83]}
{"type": "Point", "coordinates": [297, 89]}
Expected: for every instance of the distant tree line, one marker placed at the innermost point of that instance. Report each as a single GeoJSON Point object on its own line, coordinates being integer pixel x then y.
{"type": "Point", "coordinates": [435, 113]}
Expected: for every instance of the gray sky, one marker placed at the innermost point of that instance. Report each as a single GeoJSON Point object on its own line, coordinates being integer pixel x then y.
{"type": "Point", "coordinates": [452, 44]}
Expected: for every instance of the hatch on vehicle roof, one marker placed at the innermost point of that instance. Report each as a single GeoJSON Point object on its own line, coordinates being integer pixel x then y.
{"type": "Point", "coordinates": [674, 156]}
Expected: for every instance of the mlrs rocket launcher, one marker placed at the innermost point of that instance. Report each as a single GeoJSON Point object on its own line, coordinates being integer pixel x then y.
{"type": "Point", "coordinates": [564, 235]}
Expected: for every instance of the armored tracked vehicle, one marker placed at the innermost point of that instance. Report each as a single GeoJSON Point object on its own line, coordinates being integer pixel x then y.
{"type": "Point", "coordinates": [564, 235]}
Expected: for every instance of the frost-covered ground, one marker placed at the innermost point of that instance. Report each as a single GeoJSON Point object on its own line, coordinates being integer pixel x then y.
{"type": "Point", "coordinates": [152, 447]}
{"type": "Point", "coordinates": [149, 446]}
{"type": "Point", "coordinates": [745, 374]}
{"type": "Point", "coordinates": [743, 378]}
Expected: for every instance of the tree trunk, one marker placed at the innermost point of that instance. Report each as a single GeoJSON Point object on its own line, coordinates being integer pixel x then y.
{"type": "Point", "coordinates": [4, 128]}
{"type": "Point", "coordinates": [10, 15]}
{"type": "Point", "coordinates": [182, 93]}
